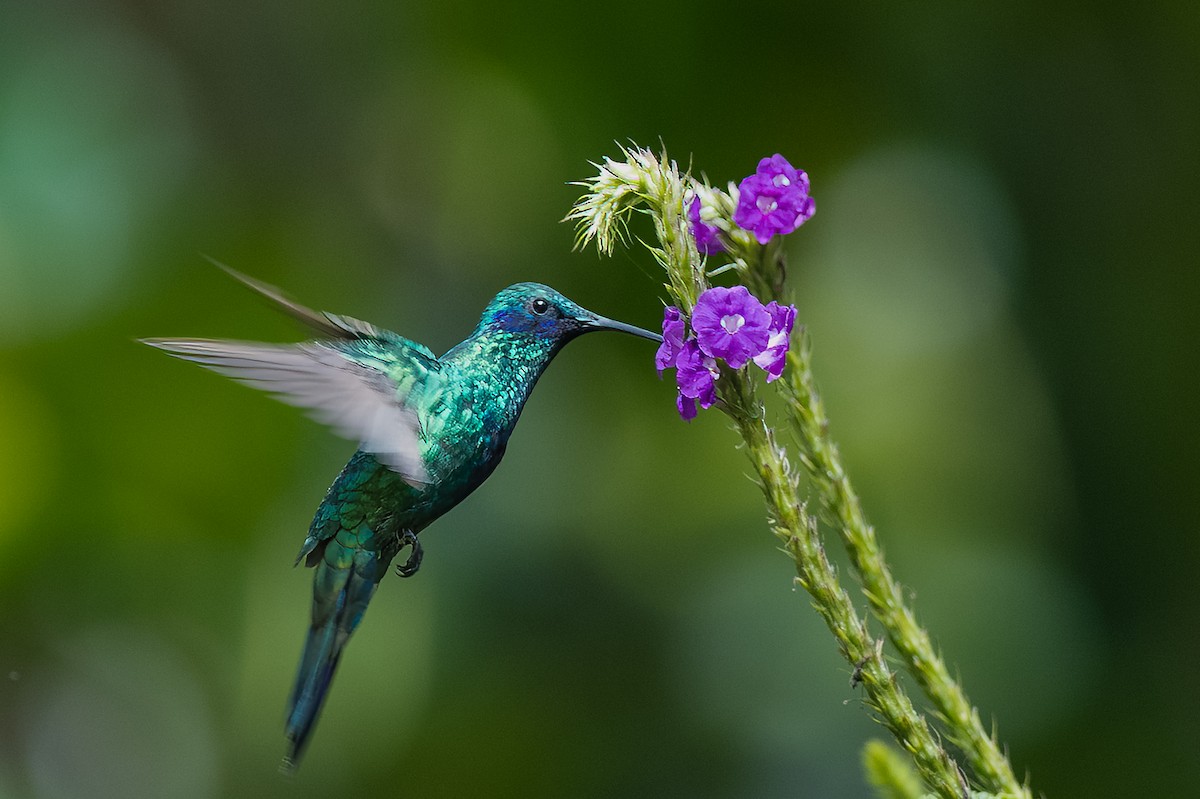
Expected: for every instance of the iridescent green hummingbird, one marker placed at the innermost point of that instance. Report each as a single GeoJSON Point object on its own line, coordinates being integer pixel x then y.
{"type": "Point", "coordinates": [430, 431]}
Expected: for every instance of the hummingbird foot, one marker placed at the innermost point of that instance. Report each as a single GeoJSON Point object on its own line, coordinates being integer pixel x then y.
{"type": "Point", "coordinates": [410, 566]}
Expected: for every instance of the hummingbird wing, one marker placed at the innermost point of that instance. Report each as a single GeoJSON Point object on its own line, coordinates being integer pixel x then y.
{"type": "Point", "coordinates": [360, 389]}
{"type": "Point", "coordinates": [331, 325]}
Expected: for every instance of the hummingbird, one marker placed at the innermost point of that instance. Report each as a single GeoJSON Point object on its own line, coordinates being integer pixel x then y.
{"type": "Point", "coordinates": [429, 429]}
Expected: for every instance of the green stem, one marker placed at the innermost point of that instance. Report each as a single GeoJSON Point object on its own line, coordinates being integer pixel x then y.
{"type": "Point", "coordinates": [824, 464]}
{"type": "Point", "coordinates": [801, 538]}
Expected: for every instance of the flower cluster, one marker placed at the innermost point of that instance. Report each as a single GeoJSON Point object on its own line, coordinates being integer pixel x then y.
{"type": "Point", "coordinates": [773, 201]}
{"type": "Point", "coordinates": [729, 324]}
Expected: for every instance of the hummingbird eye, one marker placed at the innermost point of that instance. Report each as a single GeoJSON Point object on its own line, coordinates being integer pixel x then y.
{"type": "Point", "coordinates": [539, 306]}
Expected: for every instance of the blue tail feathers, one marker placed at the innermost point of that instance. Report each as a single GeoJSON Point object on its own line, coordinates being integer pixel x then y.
{"type": "Point", "coordinates": [322, 650]}
{"type": "Point", "coordinates": [340, 598]}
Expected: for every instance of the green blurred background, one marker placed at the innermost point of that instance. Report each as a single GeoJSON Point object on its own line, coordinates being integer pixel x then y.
{"type": "Point", "coordinates": [999, 281]}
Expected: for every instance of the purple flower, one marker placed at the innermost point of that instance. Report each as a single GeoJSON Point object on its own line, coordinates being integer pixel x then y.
{"type": "Point", "coordinates": [696, 376]}
{"type": "Point", "coordinates": [732, 324]}
{"type": "Point", "coordinates": [672, 343]}
{"type": "Point", "coordinates": [772, 359]}
{"type": "Point", "coordinates": [774, 200]}
{"type": "Point", "coordinates": [729, 324]}
{"type": "Point", "coordinates": [706, 235]}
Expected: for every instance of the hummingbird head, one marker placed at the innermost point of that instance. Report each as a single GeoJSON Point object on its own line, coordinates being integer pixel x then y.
{"type": "Point", "coordinates": [540, 312]}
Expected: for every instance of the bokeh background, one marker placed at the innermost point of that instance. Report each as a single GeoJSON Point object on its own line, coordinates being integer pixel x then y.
{"type": "Point", "coordinates": [999, 280]}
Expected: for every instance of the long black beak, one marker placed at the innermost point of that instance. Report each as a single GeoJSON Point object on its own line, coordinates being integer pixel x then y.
{"type": "Point", "coordinates": [603, 323]}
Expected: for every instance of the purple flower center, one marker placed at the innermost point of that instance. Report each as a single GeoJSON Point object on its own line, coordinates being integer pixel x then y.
{"type": "Point", "coordinates": [781, 181]}
{"type": "Point", "coordinates": [766, 204]}
{"type": "Point", "coordinates": [733, 323]}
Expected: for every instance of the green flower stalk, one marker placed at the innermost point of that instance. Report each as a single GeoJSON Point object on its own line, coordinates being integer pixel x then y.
{"type": "Point", "coordinates": [821, 458]}
{"type": "Point", "coordinates": [743, 226]}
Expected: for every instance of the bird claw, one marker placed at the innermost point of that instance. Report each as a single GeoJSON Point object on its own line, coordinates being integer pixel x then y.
{"type": "Point", "coordinates": [410, 566]}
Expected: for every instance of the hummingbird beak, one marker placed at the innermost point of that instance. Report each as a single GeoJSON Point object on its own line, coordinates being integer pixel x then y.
{"type": "Point", "coordinates": [596, 322]}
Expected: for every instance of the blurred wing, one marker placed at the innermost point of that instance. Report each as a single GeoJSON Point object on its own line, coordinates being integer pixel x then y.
{"type": "Point", "coordinates": [328, 324]}
{"type": "Point", "coordinates": [360, 395]}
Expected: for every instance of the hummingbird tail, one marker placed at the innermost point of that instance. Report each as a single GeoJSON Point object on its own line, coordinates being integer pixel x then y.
{"type": "Point", "coordinates": [322, 650]}
{"type": "Point", "coordinates": [340, 599]}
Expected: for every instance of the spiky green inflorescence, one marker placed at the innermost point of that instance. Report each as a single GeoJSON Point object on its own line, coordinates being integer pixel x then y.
{"type": "Point", "coordinates": [642, 182]}
{"type": "Point", "coordinates": [655, 185]}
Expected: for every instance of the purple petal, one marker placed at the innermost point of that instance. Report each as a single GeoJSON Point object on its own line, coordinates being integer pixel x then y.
{"type": "Point", "coordinates": [746, 215]}
{"type": "Point", "coordinates": [772, 360]}
{"type": "Point", "coordinates": [782, 174]}
{"type": "Point", "coordinates": [730, 323]}
{"type": "Point", "coordinates": [695, 374]}
{"type": "Point", "coordinates": [706, 236]}
{"type": "Point", "coordinates": [807, 209]}
{"type": "Point", "coordinates": [783, 317]}
{"type": "Point", "coordinates": [774, 357]}
{"type": "Point", "coordinates": [672, 343]}
{"type": "Point", "coordinates": [686, 406]}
